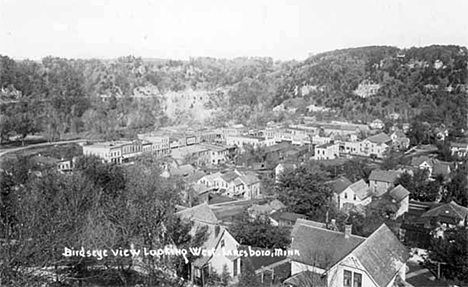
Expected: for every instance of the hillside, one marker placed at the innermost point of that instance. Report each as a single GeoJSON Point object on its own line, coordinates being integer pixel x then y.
{"type": "Point", "coordinates": [108, 97]}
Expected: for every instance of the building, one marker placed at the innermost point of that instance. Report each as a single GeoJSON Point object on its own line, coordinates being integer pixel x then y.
{"type": "Point", "coordinates": [217, 154]}
{"type": "Point", "coordinates": [219, 239]}
{"type": "Point", "coordinates": [234, 184]}
{"type": "Point", "coordinates": [326, 151]}
{"type": "Point", "coordinates": [355, 194]}
{"type": "Point", "coordinates": [110, 152]}
{"type": "Point", "coordinates": [400, 196]}
{"type": "Point", "coordinates": [433, 166]}
{"type": "Point", "coordinates": [380, 181]}
{"type": "Point", "coordinates": [193, 153]}
{"type": "Point", "coordinates": [375, 146]}
{"type": "Point", "coordinates": [331, 258]}
{"type": "Point", "coordinates": [446, 215]}
{"type": "Point", "coordinates": [159, 143]}
{"type": "Point", "coordinates": [377, 124]}
{"type": "Point", "coordinates": [399, 140]}
{"type": "Point", "coordinates": [254, 141]}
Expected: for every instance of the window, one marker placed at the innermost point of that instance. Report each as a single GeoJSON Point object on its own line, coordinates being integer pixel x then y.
{"type": "Point", "coordinates": [354, 197]}
{"type": "Point", "coordinates": [357, 280]}
{"type": "Point", "coordinates": [347, 278]}
{"type": "Point", "coordinates": [222, 243]}
{"type": "Point", "coordinates": [345, 195]}
{"type": "Point", "coordinates": [234, 269]}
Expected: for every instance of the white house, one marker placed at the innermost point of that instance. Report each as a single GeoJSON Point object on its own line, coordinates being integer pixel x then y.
{"type": "Point", "coordinates": [323, 257]}
{"type": "Point", "coordinates": [375, 145]}
{"type": "Point", "coordinates": [377, 124]}
{"type": "Point", "coordinates": [281, 167]}
{"type": "Point", "coordinates": [358, 193]}
{"type": "Point", "coordinates": [326, 151]}
{"type": "Point", "coordinates": [220, 243]}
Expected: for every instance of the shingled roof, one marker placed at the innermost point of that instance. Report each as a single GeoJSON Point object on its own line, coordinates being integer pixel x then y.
{"type": "Point", "coordinates": [384, 175]}
{"type": "Point", "coordinates": [361, 189]}
{"type": "Point", "coordinates": [340, 184]}
{"type": "Point", "coordinates": [321, 247]}
{"type": "Point", "coordinates": [200, 213]}
{"type": "Point", "coordinates": [451, 209]}
{"type": "Point", "coordinates": [379, 138]}
{"type": "Point", "coordinates": [382, 255]}
{"type": "Point", "coordinates": [399, 193]}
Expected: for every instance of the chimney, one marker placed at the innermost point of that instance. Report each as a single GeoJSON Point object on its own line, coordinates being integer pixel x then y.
{"type": "Point", "coordinates": [217, 229]}
{"type": "Point", "coordinates": [347, 231]}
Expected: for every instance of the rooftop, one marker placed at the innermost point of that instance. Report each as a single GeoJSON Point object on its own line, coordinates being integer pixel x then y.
{"type": "Point", "coordinates": [379, 138]}
{"type": "Point", "coordinates": [340, 184]}
{"type": "Point", "coordinates": [384, 175]}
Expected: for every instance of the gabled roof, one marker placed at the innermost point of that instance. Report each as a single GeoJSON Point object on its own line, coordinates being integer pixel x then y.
{"type": "Point", "coordinates": [451, 209]}
{"type": "Point", "coordinates": [306, 278]}
{"type": "Point", "coordinates": [417, 161]}
{"type": "Point", "coordinates": [215, 234]}
{"type": "Point", "coordinates": [442, 168]}
{"type": "Point", "coordinates": [200, 213]}
{"type": "Point", "coordinates": [287, 165]}
{"type": "Point", "coordinates": [459, 145]}
{"type": "Point", "coordinates": [399, 193]}
{"type": "Point", "coordinates": [340, 184]}
{"type": "Point", "coordinates": [379, 138]}
{"type": "Point", "coordinates": [321, 247]}
{"type": "Point", "coordinates": [382, 255]}
{"type": "Point", "coordinates": [249, 179]}
{"type": "Point", "coordinates": [194, 177]}
{"type": "Point", "coordinates": [384, 175]}
{"type": "Point", "coordinates": [230, 176]}
{"type": "Point", "coordinates": [361, 189]}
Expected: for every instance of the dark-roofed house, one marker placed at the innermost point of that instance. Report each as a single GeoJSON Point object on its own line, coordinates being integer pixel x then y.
{"type": "Point", "coordinates": [358, 193]}
{"type": "Point", "coordinates": [324, 257]}
{"type": "Point", "coordinates": [400, 140]}
{"type": "Point", "coordinates": [459, 149]}
{"type": "Point", "coordinates": [340, 184]}
{"type": "Point", "coordinates": [380, 181]}
{"type": "Point", "coordinates": [446, 215]}
{"type": "Point", "coordinates": [218, 238]}
{"type": "Point", "coordinates": [400, 196]}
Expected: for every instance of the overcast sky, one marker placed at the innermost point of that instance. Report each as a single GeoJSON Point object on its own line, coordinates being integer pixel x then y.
{"type": "Point", "coordinates": [178, 29]}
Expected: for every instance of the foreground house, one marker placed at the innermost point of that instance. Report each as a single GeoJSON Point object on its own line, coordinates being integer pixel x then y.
{"type": "Point", "coordinates": [332, 258]}
{"type": "Point", "coordinates": [218, 239]}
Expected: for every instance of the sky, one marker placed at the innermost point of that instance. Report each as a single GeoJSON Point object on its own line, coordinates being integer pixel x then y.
{"type": "Point", "coordinates": [179, 29]}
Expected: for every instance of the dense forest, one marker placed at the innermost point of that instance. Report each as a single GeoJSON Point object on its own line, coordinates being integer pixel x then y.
{"type": "Point", "coordinates": [115, 98]}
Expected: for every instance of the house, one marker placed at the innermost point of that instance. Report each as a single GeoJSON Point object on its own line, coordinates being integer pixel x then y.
{"type": "Point", "coordinates": [380, 181]}
{"type": "Point", "coordinates": [217, 154]}
{"type": "Point", "coordinates": [326, 151]}
{"type": "Point", "coordinates": [434, 166]}
{"type": "Point", "coordinates": [400, 196]}
{"type": "Point", "coordinates": [446, 215]}
{"type": "Point", "coordinates": [379, 260]}
{"type": "Point", "coordinates": [182, 170]}
{"type": "Point", "coordinates": [196, 153]}
{"type": "Point", "coordinates": [110, 152]}
{"type": "Point", "coordinates": [220, 242]}
{"type": "Point", "coordinates": [399, 140]}
{"type": "Point", "coordinates": [281, 167]}
{"type": "Point", "coordinates": [234, 184]}
{"type": "Point", "coordinates": [279, 218]}
{"type": "Point", "coordinates": [375, 146]}
{"type": "Point", "coordinates": [269, 269]}
{"type": "Point", "coordinates": [459, 149]}
{"type": "Point", "coordinates": [377, 124]}
{"type": "Point", "coordinates": [358, 193]}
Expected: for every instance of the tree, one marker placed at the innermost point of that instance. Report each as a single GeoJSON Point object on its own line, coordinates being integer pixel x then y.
{"type": "Point", "coordinates": [247, 278]}
{"type": "Point", "coordinates": [451, 250]}
{"type": "Point", "coordinates": [304, 191]}
{"type": "Point", "coordinates": [225, 276]}
{"type": "Point", "coordinates": [259, 232]}
{"type": "Point", "coordinates": [457, 187]}
{"type": "Point", "coordinates": [419, 186]}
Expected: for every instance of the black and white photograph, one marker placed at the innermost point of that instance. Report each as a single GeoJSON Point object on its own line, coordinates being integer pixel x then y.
{"type": "Point", "coordinates": [233, 143]}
